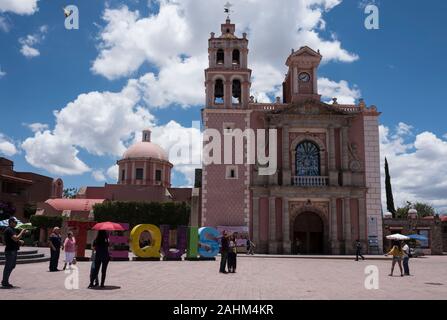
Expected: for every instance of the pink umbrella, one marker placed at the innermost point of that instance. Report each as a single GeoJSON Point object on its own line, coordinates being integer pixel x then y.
{"type": "Point", "coordinates": [108, 226]}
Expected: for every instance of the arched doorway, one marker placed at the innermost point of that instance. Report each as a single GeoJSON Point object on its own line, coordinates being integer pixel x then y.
{"type": "Point", "coordinates": [308, 234]}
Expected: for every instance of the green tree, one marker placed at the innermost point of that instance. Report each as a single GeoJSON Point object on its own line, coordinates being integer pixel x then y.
{"type": "Point", "coordinates": [389, 191]}
{"type": "Point", "coordinates": [423, 209]}
{"type": "Point", "coordinates": [46, 221]}
{"type": "Point", "coordinates": [29, 209]}
{"type": "Point", "coordinates": [70, 193]}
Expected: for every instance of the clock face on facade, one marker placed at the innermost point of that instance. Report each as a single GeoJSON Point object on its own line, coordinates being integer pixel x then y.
{"type": "Point", "coordinates": [304, 77]}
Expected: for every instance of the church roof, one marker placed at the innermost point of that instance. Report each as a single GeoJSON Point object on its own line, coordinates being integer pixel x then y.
{"type": "Point", "coordinates": [73, 204]}
{"type": "Point", "coordinates": [145, 149]}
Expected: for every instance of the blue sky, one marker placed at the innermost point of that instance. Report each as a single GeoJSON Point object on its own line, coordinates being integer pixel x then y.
{"type": "Point", "coordinates": [400, 68]}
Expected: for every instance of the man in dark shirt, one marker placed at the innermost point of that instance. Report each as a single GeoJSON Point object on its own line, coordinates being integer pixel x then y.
{"type": "Point", "coordinates": [55, 243]}
{"type": "Point", "coordinates": [358, 250]}
{"type": "Point", "coordinates": [12, 245]}
{"type": "Point", "coordinates": [224, 252]}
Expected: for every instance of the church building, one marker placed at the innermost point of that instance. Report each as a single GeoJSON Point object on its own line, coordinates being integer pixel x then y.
{"type": "Point", "coordinates": [325, 192]}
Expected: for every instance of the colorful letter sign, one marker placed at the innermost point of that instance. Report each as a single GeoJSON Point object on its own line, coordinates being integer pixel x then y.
{"type": "Point", "coordinates": [151, 251]}
{"type": "Point", "coordinates": [176, 254]}
{"type": "Point", "coordinates": [193, 243]}
{"type": "Point", "coordinates": [208, 244]}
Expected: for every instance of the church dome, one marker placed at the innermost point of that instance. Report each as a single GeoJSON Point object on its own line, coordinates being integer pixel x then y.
{"type": "Point", "coordinates": [146, 149]}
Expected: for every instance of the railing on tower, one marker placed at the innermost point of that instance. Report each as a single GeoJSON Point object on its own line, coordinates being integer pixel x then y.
{"type": "Point", "coordinates": [310, 181]}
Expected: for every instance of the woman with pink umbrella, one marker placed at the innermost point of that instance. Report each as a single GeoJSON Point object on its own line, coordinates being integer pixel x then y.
{"type": "Point", "coordinates": [101, 247]}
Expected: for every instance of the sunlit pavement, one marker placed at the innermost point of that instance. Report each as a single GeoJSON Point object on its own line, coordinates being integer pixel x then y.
{"type": "Point", "coordinates": [256, 278]}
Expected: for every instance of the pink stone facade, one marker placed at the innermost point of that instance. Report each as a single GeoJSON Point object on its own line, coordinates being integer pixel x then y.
{"type": "Point", "coordinates": [325, 193]}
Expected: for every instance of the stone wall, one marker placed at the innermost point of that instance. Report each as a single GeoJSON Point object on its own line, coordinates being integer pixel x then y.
{"type": "Point", "coordinates": [410, 226]}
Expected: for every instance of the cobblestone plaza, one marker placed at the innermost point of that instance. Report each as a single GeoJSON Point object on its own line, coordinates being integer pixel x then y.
{"type": "Point", "coordinates": [257, 277]}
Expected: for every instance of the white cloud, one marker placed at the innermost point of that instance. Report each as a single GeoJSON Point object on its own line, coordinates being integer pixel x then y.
{"type": "Point", "coordinates": [2, 73]}
{"type": "Point", "coordinates": [4, 24]}
{"type": "Point", "coordinates": [364, 3]}
{"type": "Point", "coordinates": [330, 89]}
{"type": "Point", "coordinates": [112, 172]}
{"type": "Point", "coordinates": [178, 83]}
{"type": "Point", "coordinates": [32, 40]}
{"type": "Point", "coordinates": [418, 165]}
{"type": "Point", "coordinates": [403, 129]}
{"type": "Point", "coordinates": [29, 52]}
{"type": "Point", "coordinates": [183, 145]}
{"type": "Point", "coordinates": [99, 176]}
{"type": "Point", "coordinates": [58, 156]}
{"type": "Point", "coordinates": [37, 127]}
{"type": "Point", "coordinates": [22, 7]}
{"type": "Point", "coordinates": [6, 146]}
{"type": "Point", "coordinates": [98, 122]}
{"type": "Point", "coordinates": [181, 29]}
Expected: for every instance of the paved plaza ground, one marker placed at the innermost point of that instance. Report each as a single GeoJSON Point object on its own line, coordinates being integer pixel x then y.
{"type": "Point", "coordinates": [256, 278]}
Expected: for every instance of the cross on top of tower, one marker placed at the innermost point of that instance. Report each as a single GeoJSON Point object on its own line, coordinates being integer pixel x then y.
{"type": "Point", "coordinates": [228, 10]}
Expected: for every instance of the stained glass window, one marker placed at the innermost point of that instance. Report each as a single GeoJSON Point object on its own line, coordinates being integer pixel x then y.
{"type": "Point", "coordinates": [307, 159]}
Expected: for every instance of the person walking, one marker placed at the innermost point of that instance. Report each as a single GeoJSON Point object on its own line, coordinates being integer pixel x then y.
{"type": "Point", "coordinates": [70, 250]}
{"type": "Point", "coordinates": [223, 252]}
{"type": "Point", "coordinates": [397, 254]}
{"type": "Point", "coordinates": [12, 245]}
{"type": "Point", "coordinates": [251, 247]}
{"type": "Point", "coordinates": [55, 243]}
{"type": "Point", "coordinates": [232, 255]}
{"type": "Point", "coordinates": [358, 250]}
{"type": "Point", "coordinates": [406, 259]}
{"type": "Point", "coordinates": [102, 257]}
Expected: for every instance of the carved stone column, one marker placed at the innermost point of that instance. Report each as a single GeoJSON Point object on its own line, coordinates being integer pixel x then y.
{"type": "Point", "coordinates": [345, 156]}
{"type": "Point", "coordinates": [333, 173]}
{"type": "Point", "coordinates": [347, 225]}
{"type": "Point", "coordinates": [273, 244]}
{"type": "Point", "coordinates": [286, 243]}
{"type": "Point", "coordinates": [209, 93]}
{"type": "Point", "coordinates": [362, 219]}
{"type": "Point", "coordinates": [273, 178]}
{"type": "Point", "coordinates": [256, 220]}
{"type": "Point", "coordinates": [245, 94]}
{"type": "Point", "coordinates": [335, 247]}
{"type": "Point", "coordinates": [286, 174]}
{"type": "Point", "coordinates": [228, 94]}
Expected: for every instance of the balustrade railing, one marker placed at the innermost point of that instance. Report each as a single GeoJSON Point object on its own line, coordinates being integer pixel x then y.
{"type": "Point", "coordinates": [310, 181]}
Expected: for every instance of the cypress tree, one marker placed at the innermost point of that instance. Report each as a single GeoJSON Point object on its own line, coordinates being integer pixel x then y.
{"type": "Point", "coordinates": [389, 191]}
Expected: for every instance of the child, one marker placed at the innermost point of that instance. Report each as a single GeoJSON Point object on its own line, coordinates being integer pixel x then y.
{"type": "Point", "coordinates": [92, 269]}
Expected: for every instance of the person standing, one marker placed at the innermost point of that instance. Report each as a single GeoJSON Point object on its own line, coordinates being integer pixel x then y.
{"type": "Point", "coordinates": [12, 245]}
{"type": "Point", "coordinates": [397, 254]}
{"type": "Point", "coordinates": [102, 257]}
{"type": "Point", "coordinates": [232, 255]}
{"type": "Point", "coordinates": [224, 252]}
{"type": "Point", "coordinates": [70, 250]}
{"type": "Point", "coordinates": [406, 250]}
{"type": "Point", "coordinates": [358, 250]}
{"type": "Point", "coordinates": [55, 243]}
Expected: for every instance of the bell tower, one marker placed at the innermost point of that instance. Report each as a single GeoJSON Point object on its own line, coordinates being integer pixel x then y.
{"type": "Point", "coordinates": [301, 79]}
{"type": "Point", "coordinates": [227, 78]}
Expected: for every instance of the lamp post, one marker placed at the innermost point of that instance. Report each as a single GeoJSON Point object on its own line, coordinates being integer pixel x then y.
{"type": "Point", "coordinates": [412, 214]}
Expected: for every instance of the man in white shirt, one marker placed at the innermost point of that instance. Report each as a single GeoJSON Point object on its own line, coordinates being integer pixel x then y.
{"type": "Point", "coordinates": [406, 250]}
